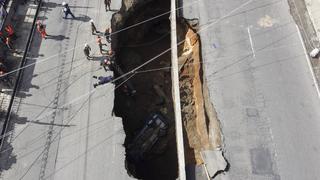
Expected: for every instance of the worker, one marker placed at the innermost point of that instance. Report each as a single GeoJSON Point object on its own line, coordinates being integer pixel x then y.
{"type": "Point", "coordinates": [9, 43]}
{"type": "Point", "coordinates": [102, 80]}
{"type": "Point", "coordinates": [86, 51]}
{"type": "Point", "coordinates": [93, 27]}
{"type": "Point", "coordinates": [107, 34]}
{"type": "Point", "coordinates": [107, 4]}
{"type": "Point", "coordinates": [111, 55]}
{"type": "Point", "coordinates": [10, 31]}
{"type": "Point", "coordinates": [100, 44]}
{"type": "Point", "coordinates": [66, 10]}
{"type": "Point", "coordinates": [42, 30]}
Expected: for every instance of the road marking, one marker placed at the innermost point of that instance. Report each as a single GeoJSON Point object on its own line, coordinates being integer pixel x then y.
{"type": "Point", "coordinates": [309, 63]}
{"type": "Point", "coordinates": [251, 43]}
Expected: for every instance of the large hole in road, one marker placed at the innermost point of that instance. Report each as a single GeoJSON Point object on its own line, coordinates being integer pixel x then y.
{"type": "Point", "coordinates": [150, 149]}
{"type": "Point", "coordinates": [144, 102]}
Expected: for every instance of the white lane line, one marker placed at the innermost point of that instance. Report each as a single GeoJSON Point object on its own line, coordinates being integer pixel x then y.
{"type": "Point", "coordinates": [309, 64]}
{"type": "Point", "coordinates": [251, 43]}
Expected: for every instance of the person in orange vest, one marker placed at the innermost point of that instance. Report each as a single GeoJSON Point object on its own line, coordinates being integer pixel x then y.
{"type": "Point", "coordinates": [42, 30]}
{"type": "Point", "coordinates": [10, 31]}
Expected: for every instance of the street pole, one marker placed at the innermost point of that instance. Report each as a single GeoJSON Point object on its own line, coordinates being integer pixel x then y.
{"type": "Point", "coordinates": [176, 93]}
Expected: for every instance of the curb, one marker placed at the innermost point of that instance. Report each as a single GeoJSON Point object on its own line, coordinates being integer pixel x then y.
{"type": "Point", "coordinates": [19, 76]}
{"type": "Point", "coordinates": [315, 81]}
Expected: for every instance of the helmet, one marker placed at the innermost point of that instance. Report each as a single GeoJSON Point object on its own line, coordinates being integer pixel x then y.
{"type": "Point", "coordinates": [86, 45]}
{"type": "Point", "coordinates": [91, 20]}
{"type": "Point", "coordinates": [64, 3]}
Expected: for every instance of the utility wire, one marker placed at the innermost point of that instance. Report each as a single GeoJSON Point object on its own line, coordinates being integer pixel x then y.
{"type": "Point", "coordinates": [69, 119]}
{"type": "Point", "coordinates": [137, 72]}
{"type": "Point", "coordinates": [203, 62]}
{"type": "Point", "coordinates": [154, 58]}
{"type": "Point", "coordinates": [112, 33]}
{"type": "Point", "coordinates": [132, 72]}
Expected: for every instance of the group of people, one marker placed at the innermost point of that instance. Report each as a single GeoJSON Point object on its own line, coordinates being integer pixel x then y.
{"type": "Point", "coordinates": [9, 35]}
{"type": "Point", "coordinates": [107, 63]}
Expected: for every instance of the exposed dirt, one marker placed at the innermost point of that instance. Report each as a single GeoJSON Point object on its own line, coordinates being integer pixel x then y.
{"type": "Point", "coordinates": [152, 83]}
{"type": "Point", "coordinates": [197, 119]}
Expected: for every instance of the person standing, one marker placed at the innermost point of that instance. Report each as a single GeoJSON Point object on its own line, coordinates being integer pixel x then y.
{"type": "Point", "coordinates": [66, 10]}
{"type": "Point", "coordinates": [93, 27]}
{"type": "Point", "coordinates": [107, 34]}
{"type": "Point", "coordinates": [111, 55]}
{"type": "Point", "coordinates": [99, 41]}
{"type": "Point", "coordinates": [107, 3]}
{"type": "Point", "coordinates": [86, 51]}
{"type": "Point", "coordinates": [42, 30]}
{"type": "Point", "coordinates": [9, 43]}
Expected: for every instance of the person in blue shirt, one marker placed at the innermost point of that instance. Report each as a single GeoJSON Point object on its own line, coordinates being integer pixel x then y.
{"type": "Point", "coordinates": [102, 80]}
{"type": "Point", "coordinates": [66, 10]}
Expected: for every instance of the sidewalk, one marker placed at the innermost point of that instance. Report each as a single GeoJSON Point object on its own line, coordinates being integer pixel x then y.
{"type": "Point", "coordinates": [312, 8]}
{"type": "Point", "coordinates": [20, 17]}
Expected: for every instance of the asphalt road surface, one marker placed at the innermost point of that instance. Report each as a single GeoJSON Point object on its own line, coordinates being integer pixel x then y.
{"type": "Point", "coordinates": [262, 88]}
{"type": "Point", "coordinates": [63, 128]}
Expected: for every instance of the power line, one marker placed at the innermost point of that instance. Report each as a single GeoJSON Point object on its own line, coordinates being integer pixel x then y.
{"type": "Point", "coordinates": [169, 67]}
{"type": "Point", "coordinates": [112, 33]}
{"type": "Point", "coordinates": [133, 71]}
{"type": "Point", "coordinates": [71, 118]}
{"type": "Point", "coordinates": [152, 59]}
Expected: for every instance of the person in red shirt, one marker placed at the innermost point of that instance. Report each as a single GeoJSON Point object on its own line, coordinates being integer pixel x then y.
{"type": "Point", "coordinates": [10, 31]}
{"type": "Point", "coordinates": [42, 30]}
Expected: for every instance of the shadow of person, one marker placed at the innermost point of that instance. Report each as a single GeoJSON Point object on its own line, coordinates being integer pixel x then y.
{"type": "Point", "coordinates": [57, 37]}
{"type": "Point", "coordinates": [34, 86]}
{"type": "Point", "coordinates": [97, 58]}
{"type": "Point", "coordinates": [83, 18]}
{"type": "Point", "coordinates": [50, 4]}
{"type": "Point", "coordinates": [7, 158]}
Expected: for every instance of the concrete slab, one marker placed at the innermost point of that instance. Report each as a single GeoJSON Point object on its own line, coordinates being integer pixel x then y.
{"type": "Point", "coordinates": [214, 161]}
